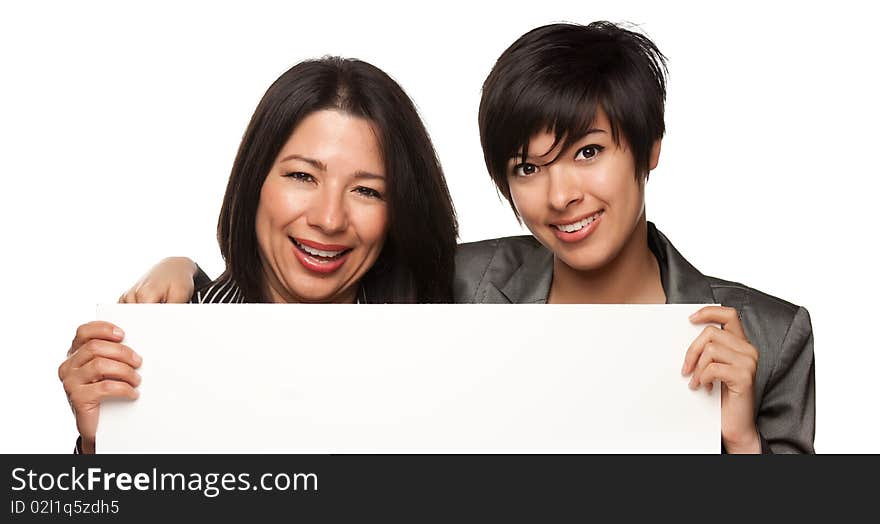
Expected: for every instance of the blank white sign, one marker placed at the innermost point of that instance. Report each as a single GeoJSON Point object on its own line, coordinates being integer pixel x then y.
{"type": "Point", "coordinates": [265, 378]}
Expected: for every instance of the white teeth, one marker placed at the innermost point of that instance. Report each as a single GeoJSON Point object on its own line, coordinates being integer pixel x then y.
{"type": "Point", "coordinates": [577, 226]}
{"type": "Point", "coordinates": [318, 252]}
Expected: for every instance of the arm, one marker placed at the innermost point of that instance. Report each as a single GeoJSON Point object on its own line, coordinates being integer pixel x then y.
{"type": "Point", "coordinates": [172, 280]}
{"type": "Point", "coordinates": [787, 414]}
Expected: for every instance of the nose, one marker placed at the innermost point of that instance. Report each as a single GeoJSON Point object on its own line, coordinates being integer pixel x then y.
{"type": "Point", "coordinates": [564, 189]}
{"type": "Point", "coordinates": [327, 211]}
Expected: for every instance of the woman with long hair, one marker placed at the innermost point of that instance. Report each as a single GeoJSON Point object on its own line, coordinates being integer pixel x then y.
{"type": "Point", "coordinates": [326, 203]}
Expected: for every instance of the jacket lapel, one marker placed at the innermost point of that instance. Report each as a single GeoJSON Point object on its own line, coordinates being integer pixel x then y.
{"type": "Point", "coordinates": [682, 283]}
{"type": "Point", "coordinates": [530, 283]}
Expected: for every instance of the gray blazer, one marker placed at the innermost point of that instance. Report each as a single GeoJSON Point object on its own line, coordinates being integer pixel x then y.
{"type": "Point", "coordinates": [519, 270]}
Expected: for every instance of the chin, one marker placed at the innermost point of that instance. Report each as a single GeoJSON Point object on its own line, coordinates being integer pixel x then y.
{"type": "Point", "coordinates": [586, 264]}
{"type": "Point", "coordinates": [309, 288]}
{"type": "Point", "coordinates": [316, 293]}
{"type": "Point", "coordinates": [585, 259]}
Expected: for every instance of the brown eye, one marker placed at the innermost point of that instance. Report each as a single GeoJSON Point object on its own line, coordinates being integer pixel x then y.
{"type": "Point", "coordinates": [368, 192]}
{"type": "Point", "coordinates": [302, 177]}
{"type": "Point", "coordinates": [525, 169]}
{"type": "Point", "coordinates": [588, 152]}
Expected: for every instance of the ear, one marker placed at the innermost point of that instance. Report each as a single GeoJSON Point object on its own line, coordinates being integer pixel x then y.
{"type": "Point", "coordinates": [655, 155]}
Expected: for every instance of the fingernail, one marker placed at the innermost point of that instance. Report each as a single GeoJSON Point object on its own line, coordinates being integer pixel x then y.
{"type": "Point", "coordinates": [691, 318]}
{"type": "Point", "coordinates": [118, 332]}
{"type": "Point", "coordinates": [137, 358]}
{"type": "Point", "coordinates": [683, 369]}
{"type": "Point", "coordinates": [691, 383]}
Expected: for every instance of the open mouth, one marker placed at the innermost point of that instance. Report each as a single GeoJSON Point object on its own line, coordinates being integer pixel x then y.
{"type": "Point", "coordinates": [319, 258]}
{"type": "Point", "coordinates": [319, 254]}
{"type": "Point", "coordinates": [580, 224]}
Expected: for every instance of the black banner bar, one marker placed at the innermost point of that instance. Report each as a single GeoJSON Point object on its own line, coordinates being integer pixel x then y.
{"type": "Point", "coordinates": [413, 488]}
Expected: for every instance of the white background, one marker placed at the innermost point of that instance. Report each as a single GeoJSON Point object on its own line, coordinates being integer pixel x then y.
{"type": "Point", "coordinates": [119, 124]}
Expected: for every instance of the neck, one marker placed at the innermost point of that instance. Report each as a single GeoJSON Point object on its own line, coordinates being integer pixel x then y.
{"type": "Point", "coordinates": [631, 277]}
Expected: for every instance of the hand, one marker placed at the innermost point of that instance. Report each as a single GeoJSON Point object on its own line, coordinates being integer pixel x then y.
{"type": "Point", "coordinates": [725, 354]}
{"type": "Point", "coordinates": [98, 366]}
{"type": "Point", "coordinates": [169, 281]}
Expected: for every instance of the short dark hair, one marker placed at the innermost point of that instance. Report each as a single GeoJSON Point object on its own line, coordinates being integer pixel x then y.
{"type": "Point", "coordinates": [416, 263]}
{"type": "Point", "coordinates": [556, 77]}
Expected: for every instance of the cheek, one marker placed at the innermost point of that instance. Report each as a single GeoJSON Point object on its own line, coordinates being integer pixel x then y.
{"type": "Point", "coordinates": [278, 206]}
{"type": "Point", "coordinates": [629, 193]}
{"type": "Point", "coordinates": [528, 201]}
{"type": "Point", "coordinates": [618, 188]}
{"type": "Point", "coordinates": [262, 225]}
{"type": "Point", "coordinates": [620, 181]}
{"type": "Point", "coordinates": [372, 225]}
{"type": "Point", "coordinates": [607, 186]}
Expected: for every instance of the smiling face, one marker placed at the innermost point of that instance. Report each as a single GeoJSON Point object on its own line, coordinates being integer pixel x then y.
{"type": "Point", "coordinates": [322, 217]}
{"type": "Point", "coordinates": [582, 203]}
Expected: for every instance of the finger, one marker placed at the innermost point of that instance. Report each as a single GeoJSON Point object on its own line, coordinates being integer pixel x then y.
{"type": "Point", "coordinates": [714, 334]}
{"type": "Point", "coordinates": [97, 329]}
{"type": "Point", "coordinates": [715, 352]}
{"type": "Point", "coordinates": [692, 355]}
{"type": "Point", "coordinates": [715, 371]}
{"type": "Point", "coordinates": [694, 351]}
{"type": "Point", "coordinates": [728, 375]}
{"type": "Point", "coordinates": [178, 295]}
{"type": "Point", "coordinates": [726, 316]}
{"type": "Point", "coordinates": [104, 349]}
{"type": "Point", "coordinates": [91, 393]}
{"type": "Point", "coordinates": [100, 368]}
{"type": "Point", "coordinates": [147, 294]}
{"type": "Point", "coordinates": [127, 297]}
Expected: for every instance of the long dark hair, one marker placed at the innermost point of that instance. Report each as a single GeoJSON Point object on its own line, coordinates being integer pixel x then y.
{"type": "Point", "coordinates": [417, 259]}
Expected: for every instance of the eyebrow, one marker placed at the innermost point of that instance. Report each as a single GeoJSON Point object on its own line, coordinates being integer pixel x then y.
{"type": "Point", "coordinates": [367, 174]}
{"type": "Point", "coordinates": [317, 164]}
{"type": "Point", "coordinates": [518, 156]}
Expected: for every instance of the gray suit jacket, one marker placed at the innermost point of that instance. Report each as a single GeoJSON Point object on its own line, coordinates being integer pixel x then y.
{"type": "Point", "coordinates": [519, 270]}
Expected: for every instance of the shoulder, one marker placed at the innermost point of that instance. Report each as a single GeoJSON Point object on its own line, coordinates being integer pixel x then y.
{"type": "Point", "coordinates": [221, 291]}
{"type": "Point", "coordinates": [770, 322]}
{"type": "Point", "coordinates": [482, 253]}
{"type": "Point", "coordinates": [780, 330]}
{"type": "Point", "coordinates": [743, 298]}
{"type": "Point", "coordinates": [766, 319]}
{"type": "Point", "coordinates": [494, 260]}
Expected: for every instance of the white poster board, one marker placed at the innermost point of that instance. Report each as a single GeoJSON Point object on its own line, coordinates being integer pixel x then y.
{"type": "Point", "coordinates": [262, 378]}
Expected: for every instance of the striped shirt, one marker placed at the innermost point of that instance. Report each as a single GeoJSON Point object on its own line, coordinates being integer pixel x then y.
{"type": "Point", "coordinates": [225, 291]}
{"type": "Point", "coordinates": [220, 291]}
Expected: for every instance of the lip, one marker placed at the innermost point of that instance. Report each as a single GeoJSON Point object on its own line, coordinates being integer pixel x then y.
{"type": "Point", "coordinates": [322, 247]}
{"type": "Point", "coordinates": [316, 264]}
{"type": "Point", "coordinates": [577, 236]}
